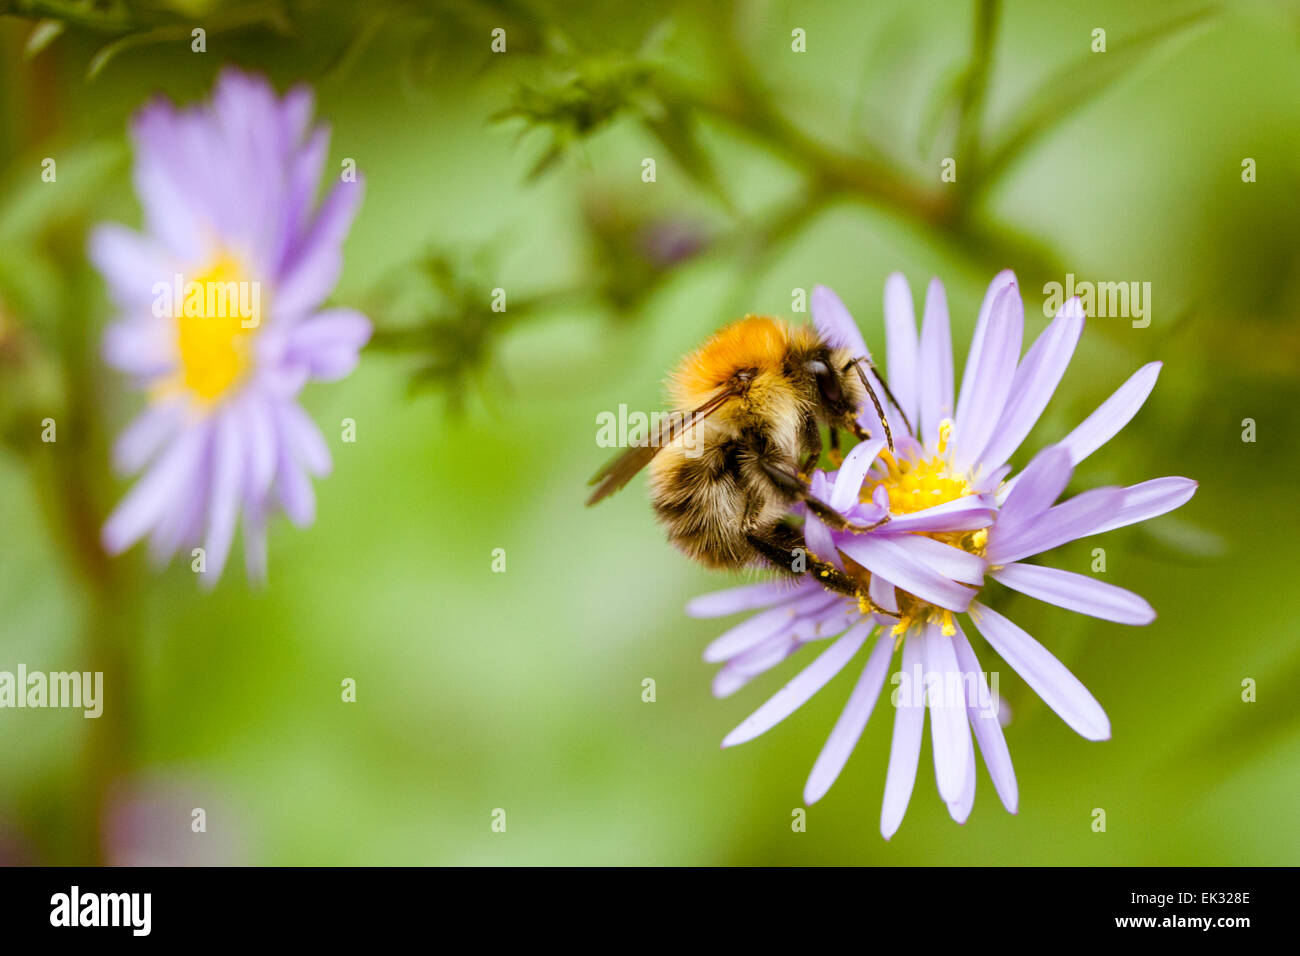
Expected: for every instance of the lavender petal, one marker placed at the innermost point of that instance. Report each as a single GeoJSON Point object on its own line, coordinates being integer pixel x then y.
{"type": "Point", "coordinates": [1035, 383]}
{"type": "Point", "coordinates": [136, 347]}
{"type": "Point", "coordinates": [744, 598]}
{"type": "Point", "coordinates": [978, 414]}
{"type": "Point", "coordinates": [314, 266]}
{"type": "Point", "coordinates": [835, 322]}
{"type": "Point", "coordinates": [819, 540]}
{"type": "Point", "coordinates": [853, 470]}
{"type": "Point", "coordinates": [1036, 488]}
{"type": "Point", "coordinates": [328, 344]}
{"type": "Point", "coordinates": [1077, 592]}
{"type": "Point", "coordinates": [901, 344]}
{"type": "Point", "coordinates": [228, 480]}
{"type": "Point", "coordinates": [182, 523]}
{"type": "Point", "coordinates": [983, 714]}
{"type": "Point", "coordinates": [1000, 282]}
{"type": "Point", "coordinates": [151, 497]}
{"type": "Point", "coordinates": [300, 435]}
{"type": "Point", "coordinates": [948, 561]}
{"type": "Point", "coordinates": [879, 555]}
{"type": "Point", "coordinates": [905, 748]}
{"type": "Point", "coordinates": [934, 364]}
{"type": "Point", "coordinates": [852, 721]}
{"type": "Point", "coordinates": [960, 809]}
{"type": "Point", "coordinates": [797, 692]}
{"type": "Point", "coordinates": [254, 531]}
{"type": "Point", "coordinates": [1068, 521]}
{"type": "Point", "coordinates": [153, 429]}
{"type": "Point", "coordinates": [1149, 499]}
{"type": "Point", "coordinates": [949, 729]}
{"type": "Point", "coordinates": [257, 426]}
{"type": "Point", "coordinates": [761, 626]}
{"type": "Point", "coordinates": [293, 489]}
{"type": "Point", "coordinates": [1113, 414]}
{"type": "Point", "coordinates": [132, 264]}
{"type": "Point", "coordinates": [968, 513]}
{"type": "Point", "coordinates": [1049, 678]}
{"type": "Point", "coordinates": [882, 593]}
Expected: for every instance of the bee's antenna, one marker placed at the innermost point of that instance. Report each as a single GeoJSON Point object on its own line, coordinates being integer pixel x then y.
{"type": "Point", "coordinates": [888, 394]}
{"type": "Point", "coordinates": [875, 400]}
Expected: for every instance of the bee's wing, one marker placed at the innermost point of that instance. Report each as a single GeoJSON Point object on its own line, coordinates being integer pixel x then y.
{"type": "Point", "coordinates": [620, 469]}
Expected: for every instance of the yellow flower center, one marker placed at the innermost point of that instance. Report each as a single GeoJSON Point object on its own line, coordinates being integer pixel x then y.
{"type": "Point", "coordinates": [217, 314]}
{"type": "Point", "coordinates": [919, 483]}
{"type": "Point", "coordinates": [914, 484]}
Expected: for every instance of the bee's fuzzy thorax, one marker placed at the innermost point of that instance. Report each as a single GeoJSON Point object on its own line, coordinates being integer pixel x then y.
{"type": "Point", "coordinates": [721, 486]}
{"type": "Point", "coordinates": [756, 342]}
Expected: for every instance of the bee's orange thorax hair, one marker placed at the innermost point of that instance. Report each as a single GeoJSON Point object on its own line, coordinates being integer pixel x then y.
{"type": "Point", "coordinates": [755, 342]}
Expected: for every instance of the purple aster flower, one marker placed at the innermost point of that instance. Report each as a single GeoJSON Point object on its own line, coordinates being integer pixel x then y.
{"type": "Point", "coordinates": [220, 319]}
{"type": "Point", "coordinates": [956, 515]}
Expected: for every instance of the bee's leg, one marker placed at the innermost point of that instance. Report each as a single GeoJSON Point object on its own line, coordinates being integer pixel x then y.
{"type": "Point", "coordinates": [812, 439]}
{"type": "Point", "coordinates": [836, 520]}
{"type": "Point", "coordinates": [835, 455]}
{"type": "Point", "coordinates": [828, 514]}
{"type": "Point", "coordinates": [782, 555]}
{"type": "Point", "coordinates": [791, 485]}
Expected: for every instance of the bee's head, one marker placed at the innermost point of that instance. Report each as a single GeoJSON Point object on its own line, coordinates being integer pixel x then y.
{"type": "Point", "coordinates": [834, 384]}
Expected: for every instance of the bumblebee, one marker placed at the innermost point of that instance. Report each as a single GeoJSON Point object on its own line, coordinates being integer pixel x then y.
{"type": "Point", "coordinates": [727, 467]}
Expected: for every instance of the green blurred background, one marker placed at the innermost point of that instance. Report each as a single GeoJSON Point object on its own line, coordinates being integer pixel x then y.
{"type": "Point", "coordinates": [776, 170]}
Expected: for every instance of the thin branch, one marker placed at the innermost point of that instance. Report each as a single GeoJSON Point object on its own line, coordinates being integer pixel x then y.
{"type": "Point", "coordinates": [974, 89]}
{"type": "Point", "coordinates": [110, 16]}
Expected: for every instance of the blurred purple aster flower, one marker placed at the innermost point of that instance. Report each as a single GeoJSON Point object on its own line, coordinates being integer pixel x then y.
{"type": "Point", "coordinates": [220, 319]}
{"type": "Point", "coordinates": [955, 515]}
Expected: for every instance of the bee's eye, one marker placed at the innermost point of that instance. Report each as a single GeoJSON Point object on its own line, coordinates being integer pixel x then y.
{"type": "Point", "coordinates": [827, 383]}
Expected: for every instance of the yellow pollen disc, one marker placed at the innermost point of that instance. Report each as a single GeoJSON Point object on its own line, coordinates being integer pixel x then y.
{"type": "Point", "coordinates": [216, 318]}
{"type": "Point", "coordinates": [917, 484]}
{"type": "Point", "coordinates": [914, 484]}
